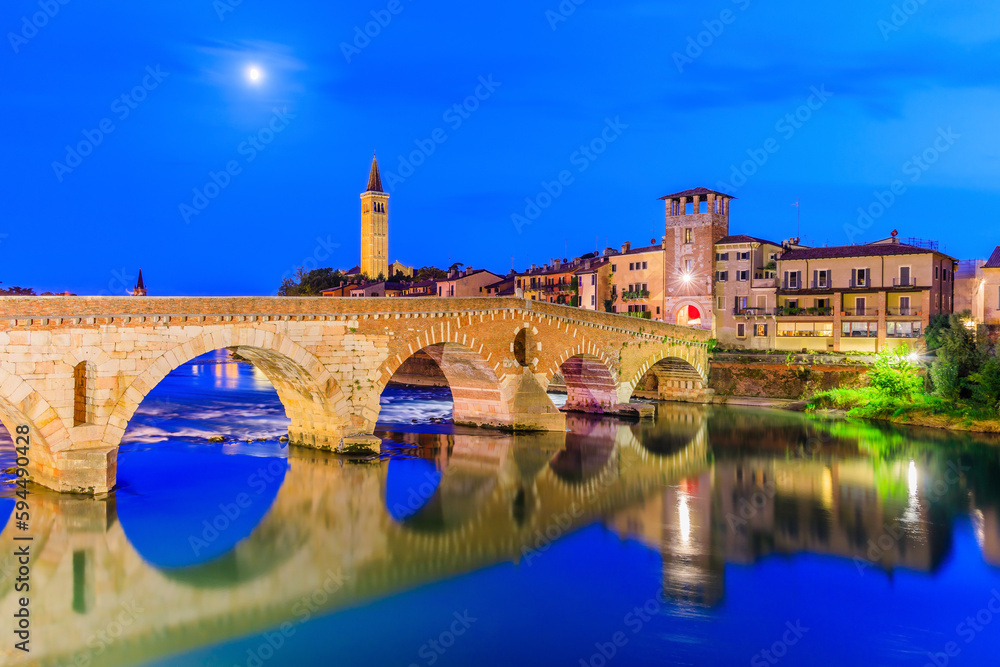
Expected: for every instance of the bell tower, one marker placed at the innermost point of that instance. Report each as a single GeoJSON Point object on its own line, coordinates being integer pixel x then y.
{"type": "Point", "coordinates": [696, 220]}
{"type": "Point", "coordinates": [375, 226]}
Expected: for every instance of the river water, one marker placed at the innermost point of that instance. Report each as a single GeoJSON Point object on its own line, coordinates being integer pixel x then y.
{"type": "Point", "coordinates": [708, 537]}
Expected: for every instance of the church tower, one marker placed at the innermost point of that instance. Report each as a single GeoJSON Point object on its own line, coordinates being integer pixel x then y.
{"type": "Point", "coordinates": [140, 287]}
{"type": "Point", "coordinates": [375, 227]}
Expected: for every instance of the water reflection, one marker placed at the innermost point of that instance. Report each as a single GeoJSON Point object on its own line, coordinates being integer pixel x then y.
{"type": "Point", "coordinates": [706, 491]}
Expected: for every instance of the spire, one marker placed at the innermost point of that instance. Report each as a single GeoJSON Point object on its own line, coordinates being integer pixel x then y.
{"type": "Point", "coordinates": [374, 178]}
{"type": "Point", "coordinates": [140, 287]}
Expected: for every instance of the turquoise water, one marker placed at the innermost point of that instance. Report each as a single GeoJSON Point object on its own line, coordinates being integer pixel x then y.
{"type": "Point", "coordinates": [710, 537]}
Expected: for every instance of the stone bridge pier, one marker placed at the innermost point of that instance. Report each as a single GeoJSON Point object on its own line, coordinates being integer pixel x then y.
{"type": "Point", "coordinates": [74, 370]}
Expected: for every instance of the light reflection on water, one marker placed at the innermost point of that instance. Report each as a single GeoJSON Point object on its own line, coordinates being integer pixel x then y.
{"type": "Point", "coordinates": [724, 524]}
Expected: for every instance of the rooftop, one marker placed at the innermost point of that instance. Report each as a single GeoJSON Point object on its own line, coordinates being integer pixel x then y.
{"type": "Point", "coordinates": [994, 261]}
{"type": "Point", "coordinates": [696, 192]}
{"type": "Point", "coordinates": [863, 250]}
{"type": "Point", "coordinates": [743, 238]}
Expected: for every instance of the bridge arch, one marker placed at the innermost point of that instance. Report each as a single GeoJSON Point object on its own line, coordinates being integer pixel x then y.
{"type": "Point", "coordinates": [476, 390]}
{"type": "Point", "coordinates": [313, 401]}
{"type": "Point", "coordinates": [21, 404]}
{"type": "Point", "coordinates": [677, 374]}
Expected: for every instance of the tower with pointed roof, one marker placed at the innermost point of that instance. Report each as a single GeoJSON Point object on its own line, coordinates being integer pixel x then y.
{"type": "Point", "coordinates": [140, 286]}
{"type": "Point", "coordinates": [375, 226]}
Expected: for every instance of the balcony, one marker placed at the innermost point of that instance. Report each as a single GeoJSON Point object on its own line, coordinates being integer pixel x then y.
{"type": "Point", "coordinates": [860, 312]}
{"type": "Point", "coordinates": [903, 312]}
{"type": "Point", "coordinates": [636, 295]}
{"type": "Point", "coordinates": [792, 311]}
{"type": "Point", "coordinates": [752, 312]}
{"type": "Point", "coordinates": [909, 282]}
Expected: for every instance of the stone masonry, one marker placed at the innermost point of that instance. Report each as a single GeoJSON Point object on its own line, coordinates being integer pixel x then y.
{"type": "Point", "coordinates": [75, 369]}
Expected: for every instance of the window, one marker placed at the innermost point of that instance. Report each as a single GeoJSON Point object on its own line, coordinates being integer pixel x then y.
{"type": "Point", "coordinates": [861, 329]}
{"type": "Point", "coordinates": [760, 330]}
{"type": "Point", "coordinates": [645, 265]}
{"type": "Point", "coordinates": [614, 267]}
{"type": "Point", "coordinates": [743, 276]}
{"type": "Point", "coordinates": [742, 255]}
{"type": "Point", "coordinates": [823, 278]}
{"type": "Point", "coordinates": [773, 257]}
{"type": "Point", "coordinates": [593, 299]}
{"type": "Point", "coordinates": [722, 257]}
{"type": "Point", "coordinates": [859, 305]}
{"type": "Point", "coordinates": [792, 304]}
{"type": "Point", "coordinates": [721, 276]}
{"type": "Point", "coordinates": [720, 303]}
{"type": "Point", "coordinates": [741, 330]}
{"type": "Point", "coordinates": [688, 265]}
{"type": "Point", "coordinates": [904, 276]}
{"type": "Point", "coordinates": [631, 266]}
{"type": "Point", "coordinates": [944, 275]}
{"type": "Point", "coordinates": [904, 305]}
{"type": "Point", "coordinates": [688, 235]}
{"type": "Point", "coordinates": [593, 279]}
{"type": "Point", "coordinates": [741, 303]}
{"type": "Point", "coordinates": [861, 277]}
{"type": "Point", "coordinates": [792, 279]}
{"type": "Point", "coordinates": [657, 310]}
{"type": "Point", "coordinates": [937, 273]}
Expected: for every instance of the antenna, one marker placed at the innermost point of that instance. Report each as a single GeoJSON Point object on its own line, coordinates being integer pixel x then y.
{"type": "Point", "coordinates": [798, 223]}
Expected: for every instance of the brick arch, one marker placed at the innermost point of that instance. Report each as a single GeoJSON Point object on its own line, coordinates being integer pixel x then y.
{"type": "Point", "coordinates": [312, 398]}
{"type": "Point", "coordinates": [677, 364]}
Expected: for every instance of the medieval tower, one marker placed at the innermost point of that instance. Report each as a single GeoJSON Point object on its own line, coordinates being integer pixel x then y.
{"type": "Point", "coordinates": [375, 227]}
{"type": "Point", "coordinates": [696, 220]}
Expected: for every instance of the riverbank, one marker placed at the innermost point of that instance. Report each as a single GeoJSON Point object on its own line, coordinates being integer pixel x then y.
{"type": "Point", "coordinates": [921, 410]}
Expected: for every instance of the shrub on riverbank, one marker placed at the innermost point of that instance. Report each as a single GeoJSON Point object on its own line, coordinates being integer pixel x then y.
{"type": "Point", "coordinates": [961, 390]}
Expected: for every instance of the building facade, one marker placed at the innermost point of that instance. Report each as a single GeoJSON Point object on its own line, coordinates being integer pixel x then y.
{"type": "Point", "coordinates": [593, 279]}
{"type": "Point", "coordinates": [745, 282]}
{"type": "Point", "coordinates": [375, 227]}
{"type": "Point", "coordinates": [468, 282]}
{"type": "Point", "coordinates": [696, 220]}
{"type": "Point", "coordinates": [857, 298]}
{"type": "Point", "coordinates": [990, 289]}
{"type": "Point", "coordinates": [638, 281]}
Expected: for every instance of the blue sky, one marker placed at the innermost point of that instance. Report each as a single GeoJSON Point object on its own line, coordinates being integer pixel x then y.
{"type": "Point", "coordinates": [915, 81]}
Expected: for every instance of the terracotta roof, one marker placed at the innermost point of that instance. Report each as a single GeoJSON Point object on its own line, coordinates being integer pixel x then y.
{"type": "Point", "coordinates": [864, 250]}
{"type": "Point", "coordinates": [696, 191]}
{"type": "Point", "coordinates": [374, 178]}
{"type": "Point", "coordinates": [634, 251]}
{"type": "Point", "coordinates": [992, 263]}
{"type": "Point", "coordinates": [594, 265]}
{"type": "Point", "coordinates": [743, 238]}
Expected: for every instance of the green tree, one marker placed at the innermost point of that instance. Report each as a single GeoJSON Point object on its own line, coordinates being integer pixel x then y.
{"type": "Point", "coordinates": [985, 384]}
{"type": "Point", "coordinates": [311, 283]}
{"type": "Point", "coordinates": [894, 373]}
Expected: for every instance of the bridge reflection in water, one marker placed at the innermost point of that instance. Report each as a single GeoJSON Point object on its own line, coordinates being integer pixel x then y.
{"type": "Point", "coordinates": [703, 489]}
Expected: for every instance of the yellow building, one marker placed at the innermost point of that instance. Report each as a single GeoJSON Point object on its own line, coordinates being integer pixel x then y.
{"type": "Point", "coordinates": [858, 298]}
{"type": "Point", "coordinates": [375, 227]}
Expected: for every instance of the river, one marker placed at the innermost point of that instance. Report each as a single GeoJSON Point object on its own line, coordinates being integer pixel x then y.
{"type": "Point", "coordinates": [710, 536]}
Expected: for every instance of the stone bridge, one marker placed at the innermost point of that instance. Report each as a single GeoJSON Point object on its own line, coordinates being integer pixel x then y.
{"type": "Point", "coordinates": [75, 369]}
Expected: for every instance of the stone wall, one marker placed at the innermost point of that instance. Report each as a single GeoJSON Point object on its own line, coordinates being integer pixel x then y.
{"type": "Point", "coordinates": [770, 378]}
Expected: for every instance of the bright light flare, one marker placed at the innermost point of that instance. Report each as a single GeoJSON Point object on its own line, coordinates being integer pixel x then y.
{"type": "Point", "coordinates": [254, 74]}
{"type": "Point", "coordinates": [686, 278]}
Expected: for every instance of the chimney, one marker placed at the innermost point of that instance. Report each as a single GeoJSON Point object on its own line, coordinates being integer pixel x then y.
{"type": "Point", "coordinates": [626, 247]}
